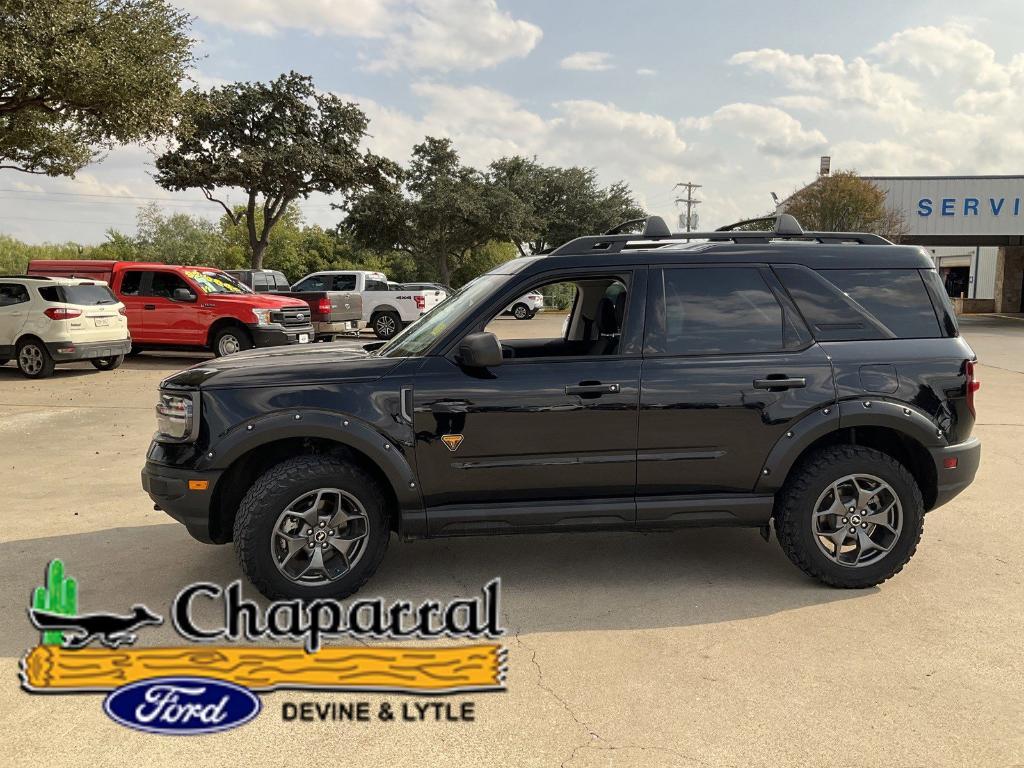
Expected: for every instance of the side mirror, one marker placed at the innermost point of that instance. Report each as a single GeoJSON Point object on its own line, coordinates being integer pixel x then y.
{"type": "Point", "coordinates": [183, 294]}
{"type": "Point", "coordinates": [480, 350]}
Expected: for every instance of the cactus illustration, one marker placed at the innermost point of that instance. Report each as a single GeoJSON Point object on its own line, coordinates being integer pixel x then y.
{"type": "Point", "coordinates": [59, 595]}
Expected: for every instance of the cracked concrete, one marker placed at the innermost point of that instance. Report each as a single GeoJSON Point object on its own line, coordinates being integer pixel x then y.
{"type": "Point", "coordinates": [697, 648]}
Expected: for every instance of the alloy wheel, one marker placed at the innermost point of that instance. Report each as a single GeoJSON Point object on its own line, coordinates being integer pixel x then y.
{"type": "Point", "coordinates": [31, 359]}
{"type": "Point", "coordinates": [857, 520]}
{"type": "Point", "coordinates": [385, 325]}
{"type": "Point", "coordinates": [319, 537]}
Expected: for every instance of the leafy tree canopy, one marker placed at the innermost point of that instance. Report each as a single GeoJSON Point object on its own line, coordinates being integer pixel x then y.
{"type": "Point", "coordinates": [78, 76]}
{"type": "Point", "coordinates": [845, 202]}
{"type": "Point", "coordinates": [277, 142]}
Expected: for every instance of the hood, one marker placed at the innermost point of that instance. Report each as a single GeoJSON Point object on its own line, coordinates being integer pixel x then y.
{"type": "Point", "coordinates": [294, 366]}
{"type": "Point", "coordinates": [256, 300]}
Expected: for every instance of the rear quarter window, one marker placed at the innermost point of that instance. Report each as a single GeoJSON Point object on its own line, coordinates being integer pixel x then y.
{"type": "Point", "coordinates": [898, 298]}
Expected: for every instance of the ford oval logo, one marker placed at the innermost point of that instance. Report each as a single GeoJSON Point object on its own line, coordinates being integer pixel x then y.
{"type": "Point", "coordinates": [182, 705]}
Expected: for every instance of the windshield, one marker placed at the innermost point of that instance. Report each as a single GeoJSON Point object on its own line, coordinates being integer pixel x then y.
{"type": "Point", "coordinates": [212, 281]}
{"type": "Point", "coordinates": [416, 338]}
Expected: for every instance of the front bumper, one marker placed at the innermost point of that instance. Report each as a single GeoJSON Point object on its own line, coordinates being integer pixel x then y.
{"type": "Point", "coordinates": [952, 481]}
{"type": "Point", "coordinates": [169, 489]}
{"type": "Point", "coordinates": [279, 336]}
{"type": "Point", "coordinates": [63, 351]}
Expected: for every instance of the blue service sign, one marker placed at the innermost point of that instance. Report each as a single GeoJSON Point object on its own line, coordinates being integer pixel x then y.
{"type": "Point", "coordinates": [182, 706]}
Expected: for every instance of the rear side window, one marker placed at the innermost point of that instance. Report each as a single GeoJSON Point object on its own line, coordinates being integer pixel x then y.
{"type": "Point", "coordinates": [277, 281]}
{"type": "Point", "coordinates": [375, 285]}
{"type": "Point", "coordinates": [896, 297]}
{"type": "Point", "coordinates": [12, 293]}
{"type": "Point", "coordinates": [131, 282]}
{"type": "Point", "coordinates": [259, 281]}
{"type": "Point", "coordinates": [716, 310]}
{"type": "Point", "coordinates": [87, 295]}
{"type": "Point", "coordinates": [829, 312]}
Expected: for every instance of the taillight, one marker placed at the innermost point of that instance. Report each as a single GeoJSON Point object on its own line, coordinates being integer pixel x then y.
{"type": "Point", "coordinates": [123, 311]}
{"type": "Point", "coordinates": [973, 385]}
{"type": "Point", "coordinates": [323, 306]}
{"type": "Point", "coordinates": [421, 302]}
{"type": "Point", "coordinates": [61, 313]}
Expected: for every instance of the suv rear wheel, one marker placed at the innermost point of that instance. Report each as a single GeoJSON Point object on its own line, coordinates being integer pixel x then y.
{"type": "Point", "coordinates": [850, 516]}
{"type": "Point", "coordinates": [107, 363]}
{"type": "Point", "coordinates": [311, 526]}
{"type": "Point", "coordinates": [33, 359]}
{"type": "Point", "coordinates": [521, 312]}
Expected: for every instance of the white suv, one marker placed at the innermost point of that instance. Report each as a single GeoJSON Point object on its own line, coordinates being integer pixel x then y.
{"type": "Point", "coordinates": [525, 307]}
{"type": "Point", "coordinates": [44, 321]}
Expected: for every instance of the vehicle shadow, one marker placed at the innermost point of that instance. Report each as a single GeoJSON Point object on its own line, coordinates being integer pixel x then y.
{"type": "Point", "coordinates": [550, 583]}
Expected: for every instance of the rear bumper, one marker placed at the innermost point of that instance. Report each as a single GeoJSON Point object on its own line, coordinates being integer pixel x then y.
{"type": "Point", "coordinates": [63, 351]}
{"type": "Point", "coordinates": [952, 481]}
{"type": "Point", "coordinates": [169, 490]}
{"type": "Point", "coordinates": [328, 329]}
{"type": "Point", "coordinates": [279, 336]}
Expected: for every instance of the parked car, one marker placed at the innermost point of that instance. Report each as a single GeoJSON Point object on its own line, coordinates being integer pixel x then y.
{"type": "Point", "coordinates": [260, 280]}
{"type": "Point", "coordinates": [447, 290]}
{"type": "Point", "coordinates": [386, 311]}
{"type": "Point", "coordinates": [45, 321]}
{"type": "Point", "coordinates": [173, 307]}
{"type": "Point", "coordinates": [526, 306]}
{"type": "Point", "coordinates": [334, 313]}
{"type": "Point", "coordinates": [811, 382]}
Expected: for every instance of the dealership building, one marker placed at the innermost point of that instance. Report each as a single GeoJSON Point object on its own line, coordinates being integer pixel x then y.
{"type": "Point", "coordinates": [974, 228]}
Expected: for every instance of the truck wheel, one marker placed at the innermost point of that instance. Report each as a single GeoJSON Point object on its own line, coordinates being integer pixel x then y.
{"type": "Point", "coordinates": [231, 339]}
{"type": "Point", "coordinates": [107, 363]}
{"type": "Point", "coordinates": [850, 516]}
{"type": "Point", "coordinates": [33, 359]}
{"type": "Point", "coordinates": [386, 324]}
{"type": "Point", "coordinates": [311, 526]}
{"type": "Point", "coordinates": [521, 312]}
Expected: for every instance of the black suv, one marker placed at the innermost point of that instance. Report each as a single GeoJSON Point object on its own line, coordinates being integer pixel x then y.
{"type": "Point", "coordinates": [814, 380]}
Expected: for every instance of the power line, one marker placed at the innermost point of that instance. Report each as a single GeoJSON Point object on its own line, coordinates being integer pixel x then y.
{"type": "Point", "coordinates": [690, 202]}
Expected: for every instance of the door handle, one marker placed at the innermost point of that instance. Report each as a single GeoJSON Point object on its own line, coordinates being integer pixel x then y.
{"type": "Point", "coordinates": [149, 306]}
{"type": "Point", "coordinates": [782, 382]}
{"type": "Point", "coordinates": [594, 390]}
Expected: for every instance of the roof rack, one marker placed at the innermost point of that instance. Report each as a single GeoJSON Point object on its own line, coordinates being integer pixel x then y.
{"type": "Point", "coordinates": [656, 232]}
{"type": "Point", "coordinates": [25, 277]}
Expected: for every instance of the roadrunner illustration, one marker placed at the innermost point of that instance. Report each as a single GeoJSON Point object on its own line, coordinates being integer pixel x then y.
{"type": "Point", "coordinates": [111, 629]}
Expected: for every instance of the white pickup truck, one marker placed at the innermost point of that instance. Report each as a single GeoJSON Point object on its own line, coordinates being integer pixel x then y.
{"type": "Point", "coordinates": [386, 311]}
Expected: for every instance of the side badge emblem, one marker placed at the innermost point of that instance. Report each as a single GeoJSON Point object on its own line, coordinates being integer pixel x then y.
{"type": "Point", "coordinates": [452, 441]}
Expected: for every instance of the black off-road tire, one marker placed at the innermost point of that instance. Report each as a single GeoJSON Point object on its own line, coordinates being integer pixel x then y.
{"type": "Point", "coordinates": [278, 487]}
{"type": "Point", "coordinates": [107, 363]}
{"type": "Point", "coordinates": [794, 508]}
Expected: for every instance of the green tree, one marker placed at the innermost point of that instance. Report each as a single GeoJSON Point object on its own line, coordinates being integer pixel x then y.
{"type": "Point", "coordinates": [845, 202]}
{"type": "Point", "coordinates": [547, 206]}
{"type": "Point", "coordinates": [78, 76]}
{"type": "Point", "coordinates": [277, 142]}
{"type": "Point", "coordinates": [437, 211]}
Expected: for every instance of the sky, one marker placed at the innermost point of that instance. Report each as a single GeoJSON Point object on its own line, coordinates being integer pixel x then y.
{"type": "Point", "coordinates": [740, 97]}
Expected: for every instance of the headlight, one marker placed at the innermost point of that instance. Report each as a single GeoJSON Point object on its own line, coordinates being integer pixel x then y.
{"type": "Point", "coordinates": [177, 418]}
{"type": "Point", "coordinates": [262, 316]}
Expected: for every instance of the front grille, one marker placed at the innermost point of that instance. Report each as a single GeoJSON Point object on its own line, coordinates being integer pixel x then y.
{"type": "Point", "coordinates": [292, 317]}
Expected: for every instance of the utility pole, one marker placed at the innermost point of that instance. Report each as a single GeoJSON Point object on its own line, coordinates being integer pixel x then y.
{"type": "Point", "coordinates": [690, 201]}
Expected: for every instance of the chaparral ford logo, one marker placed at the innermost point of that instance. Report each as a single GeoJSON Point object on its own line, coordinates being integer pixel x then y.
{"type": "Point", "coordinates": [203, 687]}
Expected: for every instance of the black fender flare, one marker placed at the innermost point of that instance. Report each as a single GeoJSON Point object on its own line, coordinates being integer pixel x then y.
{"type": "Point", "coordinates": [866, 411]}
{"type": "Point", "coordinates": [386, 453]}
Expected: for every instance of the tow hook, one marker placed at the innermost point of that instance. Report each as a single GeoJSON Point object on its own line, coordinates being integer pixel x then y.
{"type": "Point", "coordinates": [766, 532]}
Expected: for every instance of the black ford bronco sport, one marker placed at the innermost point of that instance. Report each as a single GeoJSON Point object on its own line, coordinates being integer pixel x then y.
{"type": "Point", "coordinates": [812, 380]}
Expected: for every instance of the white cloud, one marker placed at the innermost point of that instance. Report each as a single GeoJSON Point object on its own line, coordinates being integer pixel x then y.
{"type": "Point", "coordinates": [439, 35]}
{"type": "Point", "coordinates": [772, 131]}
{"type": "Point", "coordinates": [945, 50]}
{"type": "Point", "coordinates": [645, 72]}
{"type": "Point", "coordinates": [587, 61]}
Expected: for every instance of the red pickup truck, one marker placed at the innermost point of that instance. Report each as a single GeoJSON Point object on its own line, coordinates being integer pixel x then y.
{"type": "Point", "coordinates": [172, 307]}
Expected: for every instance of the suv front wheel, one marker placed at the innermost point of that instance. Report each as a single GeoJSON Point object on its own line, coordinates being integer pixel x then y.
{"type": "Point", "coordinates": [311, 527]}
{"type": "Point", "coordinates": [850, 516]}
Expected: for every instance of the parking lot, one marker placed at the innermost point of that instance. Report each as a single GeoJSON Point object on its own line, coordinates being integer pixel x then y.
{"type": "Point", "coordinates": [695, 648]}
